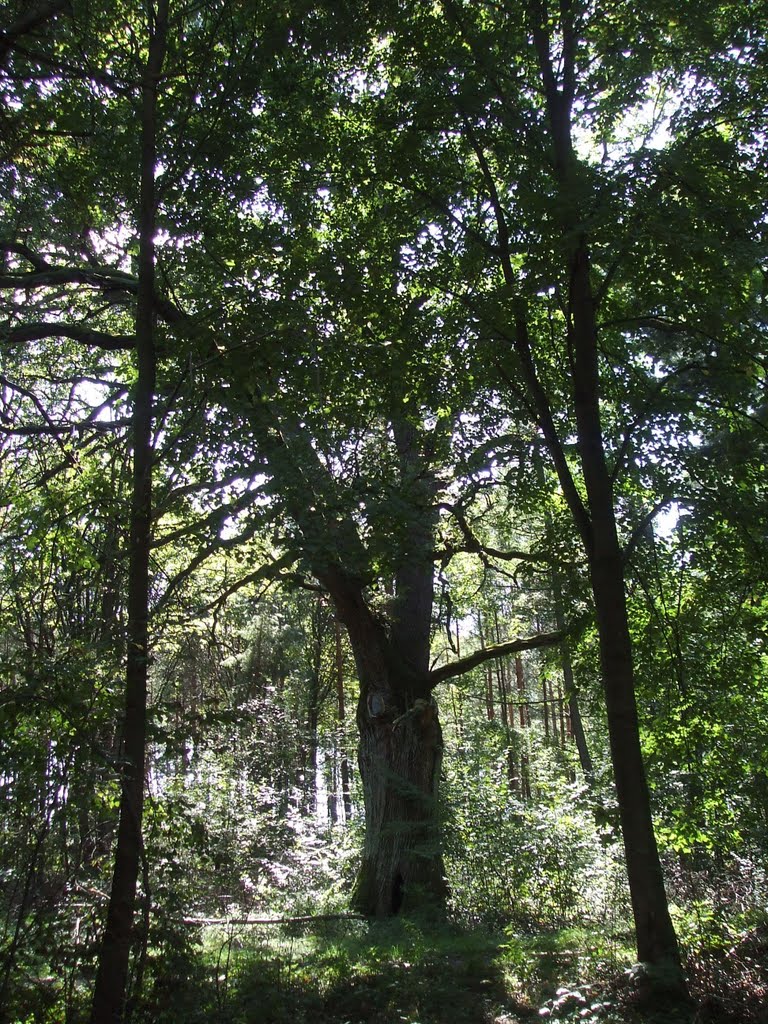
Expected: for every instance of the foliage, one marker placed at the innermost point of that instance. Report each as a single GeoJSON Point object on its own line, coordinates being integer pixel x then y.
{"type": "Point", "coordinates": [539, 864]}
{"type": "Point", "coordinates": [356, 208]}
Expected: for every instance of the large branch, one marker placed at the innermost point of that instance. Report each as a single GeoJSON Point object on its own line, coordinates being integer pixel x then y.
{"type": "Point", "coordinates": [107, 279]}
{"type": "Point", "coordinates": [62, 429]}
{"type": "Point", "coordinates": [270, 573]}
{"type": "Point", "coordinates": [84, 335]}
{"type": "Point", "coordinates": [526, 643]}
{"type": "Point", "coordinates": [33, 17]}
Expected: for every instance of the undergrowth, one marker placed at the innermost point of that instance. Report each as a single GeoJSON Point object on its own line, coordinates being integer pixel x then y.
{"type": "Point", "coordinates": [420, 972]}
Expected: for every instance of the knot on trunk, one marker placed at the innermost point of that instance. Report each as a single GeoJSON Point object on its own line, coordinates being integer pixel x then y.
{"type": "Point", "coordinates": [421, 713]}
{"type": "Point", "coordinates": [376, 703]}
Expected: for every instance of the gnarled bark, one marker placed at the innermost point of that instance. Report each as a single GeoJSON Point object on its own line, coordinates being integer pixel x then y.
{"type": "Point", "coordinates": [399, 756]}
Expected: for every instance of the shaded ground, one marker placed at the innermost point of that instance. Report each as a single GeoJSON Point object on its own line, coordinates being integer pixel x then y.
{"type": "Point", "coordinates": [400, 972]}
{"type": "Point", "coordinates": [406, 972]}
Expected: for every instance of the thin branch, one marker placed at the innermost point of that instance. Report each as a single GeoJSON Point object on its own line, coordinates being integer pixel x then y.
{"type": "Point", "coordinates": [270, 573]}
{"type": "Point", "coordinates": [504, 248]}
{"type": "Point", "coordinates": [643, 525]}
{"type": "Point", "coordinates": [474, 546]}
{"type": "Point", "coordinates": [307, 919]}
{"type": "Point", "coordinates": [658, 389]}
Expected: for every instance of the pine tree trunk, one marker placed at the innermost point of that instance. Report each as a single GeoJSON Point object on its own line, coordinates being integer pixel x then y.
{"type": "Point", "coordinates": [346, 792]}
{"type": "Point", "coordinates": [501, 677]}
{"type": "Point", "coordinates": [575, 724]}
{"type": "Point", "coordinates": [489, 702]}
{"type": "Point", "coordinates": [520, 681]}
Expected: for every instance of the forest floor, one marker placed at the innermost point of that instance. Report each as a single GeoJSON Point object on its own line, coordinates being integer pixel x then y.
{"type": "Point", "coordinates": [400, 972]}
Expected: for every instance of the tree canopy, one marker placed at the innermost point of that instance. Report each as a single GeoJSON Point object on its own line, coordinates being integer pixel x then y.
{"type": "Point", "coordinates": [443, 321]}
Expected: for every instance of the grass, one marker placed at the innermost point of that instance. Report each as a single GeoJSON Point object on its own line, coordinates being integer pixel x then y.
{"type": "Point", "coordinates": [407, 971]}
{"type": "Point", "coordinates": [387, 972]}
{"type": "Point", "coordinates": [399, 972]}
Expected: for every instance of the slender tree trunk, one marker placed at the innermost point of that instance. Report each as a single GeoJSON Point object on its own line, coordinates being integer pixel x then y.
{"type": "Point", "coordinates": [332, 782]}
{"type": "Point", "coordinates": [575, 724]}
{"type": "Point", "coordinates": [656, 938]}
{"type": "Point", "coordinates": [488, 674]}
{"type": "Point", "coordinates": [555, 704]}
{"type": "Point", "coordinates": [308, 768]}
{"type": "Point", "coordinates": [501, 677]}
{"type": "Point", "coordinates": [309, 779]}
{"type": "Point", "coordinates": [458, 715]}
{"type": "Point", "coordinates": [112, 974]}
{"type": "Point", "coordinates": [346, 792]}
{"type": "Point", "coordinates": [596, 523]}
{"type": "Point", "coordinates": [520, 682]}
{"type": "Point", "coordinates": [525, 721]}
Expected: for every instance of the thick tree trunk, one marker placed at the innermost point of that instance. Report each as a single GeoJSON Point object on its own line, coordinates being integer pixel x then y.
{"type": "Point", "coordinates": [400, 755]}
{"type": "Point", "coordinates": [400, 752]}
{"type": "Point", "coordinates": [400, 740]}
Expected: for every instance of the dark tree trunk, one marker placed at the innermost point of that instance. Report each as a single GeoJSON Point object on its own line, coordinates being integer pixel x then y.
{"type": "Point", "coordinates": [400, 740]}
{"type": "Point", "coordinates": [400, 750]}
{"type": "Point", "coordinates": [400, 755]}
{"type": "Point", "coordinates": [112, 974]}
{"type": "Point", "coordinates": [656, 939]}
{"type": "Point", "coordinates": [596, 522]}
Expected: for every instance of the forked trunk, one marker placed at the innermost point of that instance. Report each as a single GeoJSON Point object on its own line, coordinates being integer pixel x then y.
{"type": "Point", "coordinates": [400, 744]}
